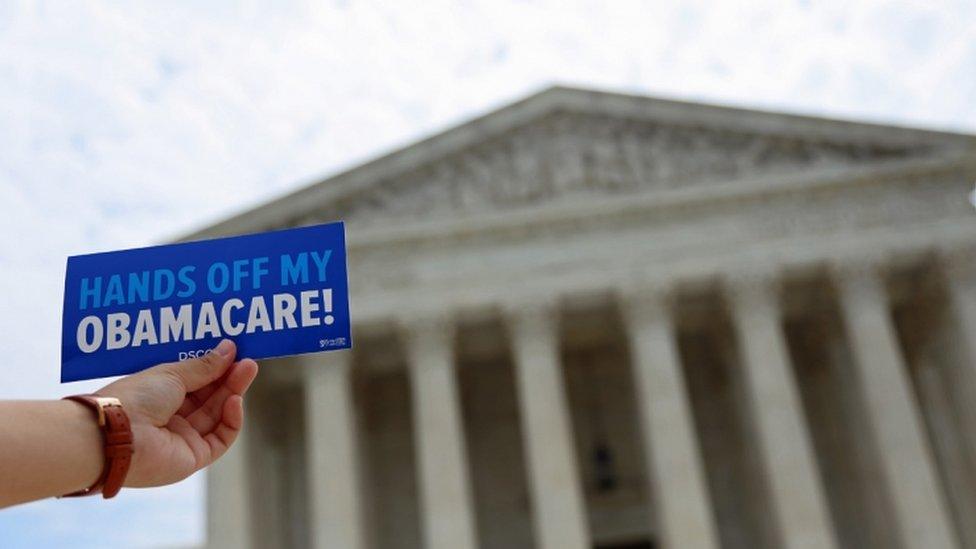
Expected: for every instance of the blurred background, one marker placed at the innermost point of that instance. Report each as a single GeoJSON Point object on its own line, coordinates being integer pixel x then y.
{"type": "Point", "coordinates": [132, 124]}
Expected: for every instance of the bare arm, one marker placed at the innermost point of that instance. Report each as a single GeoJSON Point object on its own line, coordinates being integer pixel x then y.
{"type": "Point", "coordinates": [184, 416]}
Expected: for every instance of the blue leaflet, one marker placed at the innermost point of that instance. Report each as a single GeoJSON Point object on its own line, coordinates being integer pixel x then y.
{"type": "Point", "coordinates": [277, 293]}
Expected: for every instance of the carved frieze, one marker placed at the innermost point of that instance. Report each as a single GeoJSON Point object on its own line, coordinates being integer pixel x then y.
{"type": "Point", "coordinates": [566, 156]}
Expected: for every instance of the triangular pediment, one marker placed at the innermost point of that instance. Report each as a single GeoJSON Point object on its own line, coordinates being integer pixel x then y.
{"type": "Point", "coordinates": [565, 145]}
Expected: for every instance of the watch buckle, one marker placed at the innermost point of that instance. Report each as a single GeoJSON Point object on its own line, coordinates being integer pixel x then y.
{"type": "Point", "coordinates": [104, 402]}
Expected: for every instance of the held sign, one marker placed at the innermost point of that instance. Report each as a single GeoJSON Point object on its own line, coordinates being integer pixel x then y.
{"type": "Point", "coordinates": [276, 293]}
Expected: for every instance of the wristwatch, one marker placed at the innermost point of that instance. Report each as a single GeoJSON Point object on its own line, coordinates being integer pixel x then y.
{"type": "Point", "coordinates": [117, 436]}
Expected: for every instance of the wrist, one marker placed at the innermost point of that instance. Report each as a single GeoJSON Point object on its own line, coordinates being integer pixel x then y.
{"type": "Point", "coordinates": [117, 448]}
{"type": "Point", "coordinates": [86, 440]}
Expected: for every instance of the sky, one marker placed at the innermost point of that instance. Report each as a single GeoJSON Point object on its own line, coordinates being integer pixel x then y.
{"type": "Point", "coordinates": [128, 124]}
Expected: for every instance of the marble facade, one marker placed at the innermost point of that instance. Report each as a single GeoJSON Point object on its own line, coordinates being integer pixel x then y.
{"type": "Point", "coordinates": [598, 320]}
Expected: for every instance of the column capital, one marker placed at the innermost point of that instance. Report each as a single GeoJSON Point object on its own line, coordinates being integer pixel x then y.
{"type": "Point", "coordinates": [959, 262]}
{"type": "Point", "coordinates": [427, 338]}
{"type": "Point", "coordinates": [654, 290]}
{"type": "Point", "coordinates": [869, 265]}
{"type": "Point", "coordinates": [749, 287]}
{"type": "Point", "coordinates": [316, 366]}
{"type": "Point", "coordinates": [646, 300]}
{"type": "Point", "coordinates": [860, 279]}
{"type": "Point", "coordinates": [533, 311]}
{"type": "Point", "coordinates": [426, 325]}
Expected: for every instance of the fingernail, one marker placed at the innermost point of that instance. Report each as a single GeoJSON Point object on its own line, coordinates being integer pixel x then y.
{"type": "Point", "coordinates": [224, 348]}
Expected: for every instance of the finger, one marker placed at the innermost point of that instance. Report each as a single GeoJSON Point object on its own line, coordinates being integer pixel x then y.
{"type": "Point", "coordinates": [201, 395]}
{"type": "Point", "coordinates": [196, 373]}
{"type": "Point", "coordinates": [197, 398]}
{"type": "Point", "coordinates": [187, 407]}
{"type": "Point", "coordinates": [197, 445]}
{"type": "Point", "coordinates": [206, 417]}
{"type": "Point", "coordinates": [192, 401]}
{"type": "Point", "coordinates": [227, 430]}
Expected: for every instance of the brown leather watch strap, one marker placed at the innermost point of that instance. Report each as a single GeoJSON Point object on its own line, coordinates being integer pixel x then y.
{"type": "Point", "coordinates": [117, 432]}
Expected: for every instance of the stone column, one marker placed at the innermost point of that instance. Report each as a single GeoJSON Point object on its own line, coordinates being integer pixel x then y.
{"type": "Point", "coordinates": [800, 514]}
{"type": "Point", "coordinates": [229, 497]}
{"type": "Point", "coordinates": [960, 267]}
{"type": "Point", "coordinates": [675, 469]}
{"type": "Point", "coordinates": [331, 441]}
{"type": "Point", "coordinates": [906, 462]}
{"type": "Point", "coordinates": [448, 515]}
{"type": "Point", "coordinates": [557, 501]}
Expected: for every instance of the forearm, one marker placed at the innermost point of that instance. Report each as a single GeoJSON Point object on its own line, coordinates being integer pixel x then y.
{"type": "Point", "coordinates": [178, 418]}
{"type": "Point", "coordinates": [47, 448]}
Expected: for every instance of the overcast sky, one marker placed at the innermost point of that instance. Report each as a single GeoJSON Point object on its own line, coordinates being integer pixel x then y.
{"type": "Point", "coordinates": [125, 124]}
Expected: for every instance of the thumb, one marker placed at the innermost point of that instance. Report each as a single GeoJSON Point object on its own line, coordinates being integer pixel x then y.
{"type": "Point", "coordinates": [198, 372]}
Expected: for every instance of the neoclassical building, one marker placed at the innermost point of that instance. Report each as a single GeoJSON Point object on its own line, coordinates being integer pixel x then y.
{"type": "Point", "coordinates": [598, 320]}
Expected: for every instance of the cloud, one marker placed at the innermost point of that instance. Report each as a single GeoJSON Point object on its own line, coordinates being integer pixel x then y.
{"type": "Point", "coordinates": [124, 124]}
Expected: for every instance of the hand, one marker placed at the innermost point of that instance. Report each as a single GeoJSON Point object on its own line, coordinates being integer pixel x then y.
{"type": "Point", "coordinates": [184, 415]}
